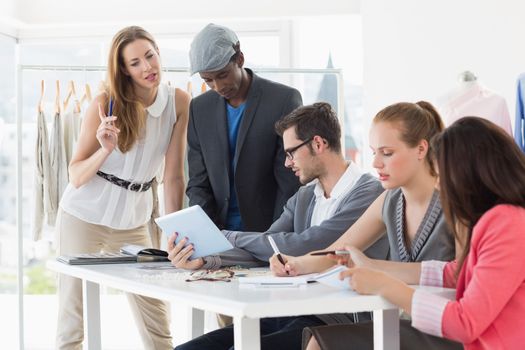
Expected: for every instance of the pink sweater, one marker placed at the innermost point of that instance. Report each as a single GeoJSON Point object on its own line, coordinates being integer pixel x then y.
{"type": "Point", "coordinates": [489, 310]}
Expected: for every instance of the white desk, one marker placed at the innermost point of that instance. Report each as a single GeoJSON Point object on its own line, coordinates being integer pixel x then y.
{"type": "Point", "coordinates": [245, 305]}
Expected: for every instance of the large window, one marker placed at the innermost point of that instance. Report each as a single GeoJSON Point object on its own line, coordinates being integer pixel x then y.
{"type": "Point", "coordinates": [8, 231]}
{"type": "Point", "coordinates": [336, 41]}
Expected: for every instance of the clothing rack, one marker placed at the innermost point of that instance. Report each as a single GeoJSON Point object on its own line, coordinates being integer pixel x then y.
{"type": "Point", "coordinates": [337, 72]}
{"type": "Point", "coordinates": [62, 68]}
{"type": "Point", "coordinates": [178, 69]}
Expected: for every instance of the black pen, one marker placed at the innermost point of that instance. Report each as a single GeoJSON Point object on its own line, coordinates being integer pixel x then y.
{"type": "Point", "coordinates": [333, 252]}
{"type": "Point", "coordinates": [276, 251]}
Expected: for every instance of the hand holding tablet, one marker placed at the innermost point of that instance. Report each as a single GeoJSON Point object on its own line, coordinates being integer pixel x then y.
{"type": "Point", "coordinates": [201, 232]}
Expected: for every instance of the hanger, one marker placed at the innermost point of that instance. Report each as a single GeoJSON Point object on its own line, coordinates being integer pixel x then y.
{"type": "Point", "coordinates": [57, 99]}
{"type": "Point", "coordinates": [87, 95]}
{"type": "Point", "coordinates": [71, 93]}
{"type": "Point", "coordinates": [40, 106]}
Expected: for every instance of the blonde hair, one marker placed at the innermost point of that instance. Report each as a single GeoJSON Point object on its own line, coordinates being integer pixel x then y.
{"type": "Point", "coordinates": [416, 121]}
{"type": "Point", "coordinates": [130, 111]}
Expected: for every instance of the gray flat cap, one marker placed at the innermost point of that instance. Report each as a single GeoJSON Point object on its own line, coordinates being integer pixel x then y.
{"type": "Point", "coordinates": [212, 48]}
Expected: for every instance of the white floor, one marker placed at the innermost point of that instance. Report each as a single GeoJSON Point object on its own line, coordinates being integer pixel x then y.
{"type": "Point", "coordinates": [118, 328]}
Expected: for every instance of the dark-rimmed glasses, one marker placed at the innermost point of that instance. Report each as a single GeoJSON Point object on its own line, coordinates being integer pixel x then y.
{"type": "Point", "coordinates": [290, 151]}
{"type": "Point", "coordinates": [223, 275]}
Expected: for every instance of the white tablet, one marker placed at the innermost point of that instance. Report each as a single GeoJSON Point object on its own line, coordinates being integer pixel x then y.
{"type": "Point", "coordinates": [193, 223]}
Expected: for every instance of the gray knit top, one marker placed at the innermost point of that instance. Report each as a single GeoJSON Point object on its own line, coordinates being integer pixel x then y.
{"type": "Point", "coordinates": [433, 241]}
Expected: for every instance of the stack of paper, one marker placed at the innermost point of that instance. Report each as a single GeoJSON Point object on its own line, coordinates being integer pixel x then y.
{"type": "Point", "coordinates": [273, 281]}
{"type": "Point", "coordinates": [329, 277]}
{"type": "Point", "coordinates": [97, 258]}
{"type": "Point", "coordinates": [128, 253]}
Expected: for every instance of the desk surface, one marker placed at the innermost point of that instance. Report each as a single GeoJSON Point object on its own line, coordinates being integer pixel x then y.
{"type": "Point", "coordinates": [227, 297]}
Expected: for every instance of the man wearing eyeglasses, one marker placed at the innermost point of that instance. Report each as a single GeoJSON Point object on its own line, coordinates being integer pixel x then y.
{"type": "Point", "coordinates": [335, 195]}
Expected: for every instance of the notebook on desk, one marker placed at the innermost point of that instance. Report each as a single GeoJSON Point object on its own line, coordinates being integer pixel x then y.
{"type": "Point", "coordinates": [97, 258]}
{"type": "Point", "coordinates": [129, 253]}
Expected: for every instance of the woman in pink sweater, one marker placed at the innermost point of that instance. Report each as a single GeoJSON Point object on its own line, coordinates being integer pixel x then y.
{"type": "Point", "coordinates": [482, 189]}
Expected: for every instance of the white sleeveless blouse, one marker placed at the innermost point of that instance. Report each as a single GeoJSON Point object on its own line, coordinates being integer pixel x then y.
{"type": "Point", "coordinates": [103, 203]}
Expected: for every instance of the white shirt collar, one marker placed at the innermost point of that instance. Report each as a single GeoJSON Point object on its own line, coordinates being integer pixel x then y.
{"type": "Point", "coordinates": [156, 109]}
{"type": "Point", "coordinates": [343, 185]}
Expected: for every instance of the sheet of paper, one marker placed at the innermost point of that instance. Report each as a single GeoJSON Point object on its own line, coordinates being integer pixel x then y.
{"type": "Point", "coordinates": [331, 278]}
{"type": "Point", "coordinates": [132, 249]}
{"type": "Point", "coordinates": [270, 280]}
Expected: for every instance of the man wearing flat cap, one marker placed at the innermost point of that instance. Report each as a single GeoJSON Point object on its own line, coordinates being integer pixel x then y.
{"type": "Point", "coordinates": [235, 158]}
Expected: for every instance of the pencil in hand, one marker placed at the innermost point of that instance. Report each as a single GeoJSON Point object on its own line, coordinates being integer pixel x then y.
{"type": "Point", "coordinates": [276, 251]}
{"type": "Point", "coordinates": [333, 252]}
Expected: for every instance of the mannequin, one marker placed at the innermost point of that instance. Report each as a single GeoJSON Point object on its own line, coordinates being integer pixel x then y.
{"type": "Point", "coordinates": [471, 98]}
{"type": "Point", "coordinates": [467, 76]}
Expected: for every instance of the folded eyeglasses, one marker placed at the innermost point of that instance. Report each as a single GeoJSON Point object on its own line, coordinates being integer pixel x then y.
{"type": "Point", "coordinates": [223, 275]}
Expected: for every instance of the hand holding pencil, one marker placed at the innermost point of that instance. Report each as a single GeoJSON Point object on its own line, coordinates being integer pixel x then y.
{"type": "Point", "coordinates": [107, 132]}
{"type": "Point", "coordinates": [277, 253]}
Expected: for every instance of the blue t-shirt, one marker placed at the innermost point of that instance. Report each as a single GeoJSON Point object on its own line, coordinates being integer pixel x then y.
{"type": "Point", "coordinates": [233, 220]}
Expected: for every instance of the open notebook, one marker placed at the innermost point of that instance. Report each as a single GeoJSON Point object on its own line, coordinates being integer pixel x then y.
{"type": "Point", "coordinates": [329, 277]}
{"type": "Point", "coordinates": [128, 253]}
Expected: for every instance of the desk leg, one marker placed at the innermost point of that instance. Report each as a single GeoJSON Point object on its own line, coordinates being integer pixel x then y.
{"type": "Point", "coordinates": [197, 322]}
{"type": "Point", "coordinates": [91, 297]}
{"type": "Point", "coordinates": [386, 329]}
{"type": "Point", "coordinates": [246, 333]}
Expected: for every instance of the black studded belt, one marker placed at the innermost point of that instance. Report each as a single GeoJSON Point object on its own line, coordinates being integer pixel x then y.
{"type": "Point", "coordinates": [132, 186]}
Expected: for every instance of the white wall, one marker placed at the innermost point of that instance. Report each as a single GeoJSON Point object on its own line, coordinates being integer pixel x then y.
{"type": "Point", "coordinates": [48, 19]}
{"type": "Point", "coordinates": [414, 49]}
{"type": "Point", "coordinates": [7, 8]}
{"type": "Point", "coordinates": [7, 17]}
{"type": "Point", "coordinates": [71, 11]}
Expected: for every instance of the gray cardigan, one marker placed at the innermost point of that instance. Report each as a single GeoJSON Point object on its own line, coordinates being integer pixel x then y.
{"type": "Point", "coordinates": [292, 231]}
{"type": "Point", "coordinates": [433, 241]}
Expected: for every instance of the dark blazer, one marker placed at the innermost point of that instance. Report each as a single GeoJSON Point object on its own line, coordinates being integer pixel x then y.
{"type": "Point", "coordinates": [262, 183]}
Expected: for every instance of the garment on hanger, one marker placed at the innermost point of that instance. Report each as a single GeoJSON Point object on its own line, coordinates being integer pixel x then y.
{"type": "Point", "coordinates": [57, 154]}
{"type": "Point", "coordinates": [42, 176]}
{"type": "Point", "coordinates": [59, 177]}
{"type": "Point", "coordinates": [71, 122]}
{"type": "Point", "coordinates": [519, 127]}
{"type": "Point", "coordinates": [473, 99]}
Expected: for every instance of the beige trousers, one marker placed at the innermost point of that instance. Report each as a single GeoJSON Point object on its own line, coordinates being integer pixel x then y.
{"type": "Point", "coordinates": [76, 236]}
